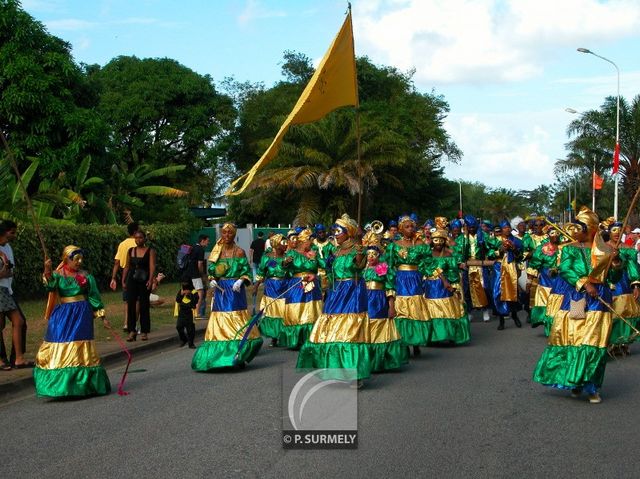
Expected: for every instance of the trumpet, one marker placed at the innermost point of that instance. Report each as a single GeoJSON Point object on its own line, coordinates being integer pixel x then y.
{"type": "Point", "coordinates": [376, 226]}
{"type": "Point", "coordinates": [557, 228]}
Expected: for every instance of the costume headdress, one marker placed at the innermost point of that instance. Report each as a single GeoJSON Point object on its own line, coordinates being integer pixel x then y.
{"type": "Point", "coordinates": [346, 222]}
{"type": "Point", "coordinates": [441, 222]}
{"type": "Point", "coordinates": [305, 235]}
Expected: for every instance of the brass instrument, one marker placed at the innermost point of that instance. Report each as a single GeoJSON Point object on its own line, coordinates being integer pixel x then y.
{"type": "Point", "coordinates": [377, 227]}
{"type": "Point", "coordinates": [557, 228]}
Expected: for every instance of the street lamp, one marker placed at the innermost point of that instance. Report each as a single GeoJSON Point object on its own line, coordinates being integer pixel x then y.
{"type": "Point", "coordinates": [616, 154]}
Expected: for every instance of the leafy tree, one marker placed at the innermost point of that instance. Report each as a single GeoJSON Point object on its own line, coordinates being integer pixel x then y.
{"type": "Point", "coordinates": [162, 114]}
{"type": "Point", "coordinates": [45, 103]}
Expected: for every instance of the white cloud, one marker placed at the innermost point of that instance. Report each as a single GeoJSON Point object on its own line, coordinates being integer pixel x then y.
{"type": "Point", "coordinates": [255, 10]}
{"type": "Point", "coordinates": [506, 150]}
{"type": "Point", "coordinates": [457, 41]}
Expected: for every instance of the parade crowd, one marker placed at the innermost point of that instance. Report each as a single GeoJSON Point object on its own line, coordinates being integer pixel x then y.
{"type": "Point", "coordinates": [363, 300]}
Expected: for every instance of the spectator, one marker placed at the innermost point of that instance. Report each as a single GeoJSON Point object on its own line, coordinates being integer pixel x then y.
{"type": "Point", "coordinates": [186, 300]}
{"type": "Point", "coordinates": [120, 263]}
{"type": "Point", "coordinates": [8, 306]}
{"type": "Point", "coordinates": [12, 229]}
{"type": "Point", "coordinates": [630, 237]}
{"type": "Point", "coordinates": [267, 244]}
{"type": "Point", "coordinates": [256, 250]}
{"type": "Point", "coordinates": [137, 281]}
{"type": "Point", "coordinates": [197, 273]}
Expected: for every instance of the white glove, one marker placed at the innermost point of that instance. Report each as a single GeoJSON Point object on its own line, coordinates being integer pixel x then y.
{"type": "Point", "coordinates": [213, 283]}
{"type": "Point", "coordinates": [237, 285]}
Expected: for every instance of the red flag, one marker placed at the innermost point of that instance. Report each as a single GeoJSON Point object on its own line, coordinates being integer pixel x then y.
{"type": "Point", "coordinates": [616, 159]}
{"type": "Point", "coordinates": [597, 181]}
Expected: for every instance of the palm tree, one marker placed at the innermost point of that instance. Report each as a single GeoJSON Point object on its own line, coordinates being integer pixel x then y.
{"type": "Point", "coordinates": [594, 136]}
{"type": "Point", "coordinates": [318, 166]}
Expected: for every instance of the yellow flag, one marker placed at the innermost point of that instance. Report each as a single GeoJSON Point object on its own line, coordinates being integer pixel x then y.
{"type": "Point", "coordinates": [334, 84]}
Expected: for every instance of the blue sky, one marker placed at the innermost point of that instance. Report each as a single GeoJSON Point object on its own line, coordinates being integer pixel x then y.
{"type": "Point", "coordinates": [507, 68]}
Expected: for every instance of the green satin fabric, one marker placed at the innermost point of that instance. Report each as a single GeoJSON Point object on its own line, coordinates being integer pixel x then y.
{"type": "Point", "coordinates": [301, 263]}
{"type": "Point", "coordinates": [571, 366]}
{"type": "Point", "coordinates": [221, 354]}
{"type": "Point", "coordinates": [71, 382]}
{"type": "Point", "coordinates": [67, 286]}
{"type": "Point", "coordinates": [271, 266]}
{"type": "Point", "coordinates": [335, 357]}
{"type": "Point", "coordinates": [236, 268]}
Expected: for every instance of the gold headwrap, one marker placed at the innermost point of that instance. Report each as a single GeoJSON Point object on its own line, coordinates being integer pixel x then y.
{"type": "Point", "coordinates": [68, 250]}
{"type": "Point", "coordinates": [371, 239]}
{"type": "Point", "coordinates": [305, 235]}
{"type": "Point", "coordinates": [404, 219]}
{"type": "Point", "coordinates": [217, 249]}
{"type": "Point", "coordinates": [276, 240]}
{"type": "Point", "coordinates": [441, 222]}
{"type": "Point", "coordinates": [348, 224]}
{"type": "Point", "coordinates": [589, 218]}
{"type": "Point", "coordinates": [439, 233]}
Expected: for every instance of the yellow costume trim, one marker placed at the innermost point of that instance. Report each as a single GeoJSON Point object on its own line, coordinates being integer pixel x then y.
{"type": "Point", "coordinates": [532, 272]}
{"type": "Point", "coordinates": [67, 355]}
{"type": "Point", "coordinates": [407, 267]}
{"type": "Point", "coordinates": [383, 331]}
{"type": "Point", "coordinates": [375, 285]}
{"type": "Point", "coordinates": [341, 328]}
{"type": "Point", "coordinates": [412, 307]}
{"type": "Point", "coordinates": [273, 308]}
{"type": "Point", "coordinates": [302, 313]}
{"type": "Point", "coordinates": [626, 306]}
{"type": "Point", "coordinates": [99, 314]}
{"type": "Point", "coordinates": [223, 326]}
{"type": "Point", "coordinates": [508, 281]}
{"type": "Point", "coordinates": [542, 295]}
{"type": "Point", "coordinates": [476, 287]}
{"type": "Point", "coordinates": [303, 274]}
{"type": "Point", "coordinates": [450, 308]}
{"type": "Point", "coordinates": [72, 299]}
{"type": "Point", "coordinates": [554, 302]}
{"type": "Point", "coordinates": [592, 331]}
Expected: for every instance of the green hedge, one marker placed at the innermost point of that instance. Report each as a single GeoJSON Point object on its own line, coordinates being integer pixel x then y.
{"type": "Point", "coordinates": [100, 243]}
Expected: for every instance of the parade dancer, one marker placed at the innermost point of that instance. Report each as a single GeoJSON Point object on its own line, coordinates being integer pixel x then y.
{"type": "Point", "coordinates": [323, 246]}
{"type": "Point", "coordinates": [476, 275]}
{"type": "Point", "coordinates": [530, 241]}
{"type": "Point", "coordinates": [387, 349]}
{"type": "Point", "coordinates": [340, 337]}
{"type": "Point", "coordinates": [449, 320]}
{"type": "Point", "coordinates": [404, 256]}
{"type": "Point", "coordinates": [67, 363]}
{"type": "Point", "coordinates": [543, 270]}
{"type": "Point", "coordinates": [576, 355]}
{"type": "Point", "coordinates": [625, 294]}
{"type": "Point", "coordinates": [229, 272]}
{"type": "Point", "coordinates": [273, 274]}
{"type": "Point", "coordinates": [303, 304]}
{"type": "Point", "coordinates": [506, 250]}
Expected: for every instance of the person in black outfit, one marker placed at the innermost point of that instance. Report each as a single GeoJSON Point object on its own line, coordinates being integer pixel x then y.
{"type": "Point", "coordinates": [197, 273]}
{"type": "Point", "coordinates": [256, 250]}
{"type": "Point", "coordinates": [137, 281]}
{"type": "Point", "coordinates": [186, 301]}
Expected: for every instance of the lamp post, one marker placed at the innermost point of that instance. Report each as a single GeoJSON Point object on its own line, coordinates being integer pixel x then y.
{"type": "Point", "coordinates": [460, 184]}
{"type": "Point", "coordinates": [573, 111]}
{"type": "Point", "coordinates": [616, 154]}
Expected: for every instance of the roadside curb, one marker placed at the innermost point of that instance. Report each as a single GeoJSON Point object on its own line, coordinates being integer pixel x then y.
{"type": "Point", "coordinates": [165, 340]}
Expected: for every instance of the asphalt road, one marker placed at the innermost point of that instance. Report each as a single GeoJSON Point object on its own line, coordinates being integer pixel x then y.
{"type": "Point", "coordinates": [469, 411]}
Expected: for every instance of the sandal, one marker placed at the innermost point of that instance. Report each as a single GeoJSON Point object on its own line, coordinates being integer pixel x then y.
{"type": "Point", "coordinates": [5, 367]}
{"type": "Point", "coordinates": [25, 365]}
{"type": "Point", "coordinates": [143, 337]}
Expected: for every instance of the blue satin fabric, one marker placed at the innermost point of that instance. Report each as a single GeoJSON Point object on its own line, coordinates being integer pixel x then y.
{"type": "Point", "coordinates": [345, 297]}
{"type": "Point", "coordinates": [275, 287]}
{"type": "Point", "coordinates": [434, 289]}
{"type": "Point", "coordinates": [623, 286]}
{"type": "Point", "coordinates": [545, 279]}
{"type": "Point", "coordinates": [503, 308]}
{"type": "Point", "coordinates": [229, 300]}
{"type": "Point", "coordinates": [409, 283]}
{"type": "Point", "coordinates": [297, 295]}
{"type": "Point", "coordinates": [377, 305]}
{"type": "Point", "coordinates": [70, 322]}
{"type": "Point", "coordinates": [592, 303]}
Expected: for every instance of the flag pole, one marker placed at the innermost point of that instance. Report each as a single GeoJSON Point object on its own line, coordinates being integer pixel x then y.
{"type": "Point", "coordinates": [593, 185]}
{"type": "Point", "coordinates": [357, 106]}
